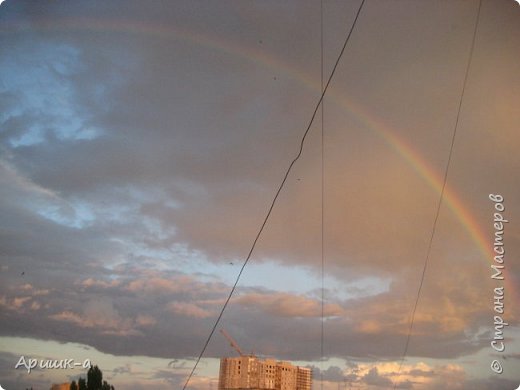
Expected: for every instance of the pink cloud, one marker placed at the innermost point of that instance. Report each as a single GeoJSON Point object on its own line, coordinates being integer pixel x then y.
{"type": "Point", "coordinates": [102, 315]}
{"type": "Point", "coordinates": [189, 310]}
{"type": "Point", "coordinates": [90, 282]}
{"type": "Point", "coordinates": [289, 305]}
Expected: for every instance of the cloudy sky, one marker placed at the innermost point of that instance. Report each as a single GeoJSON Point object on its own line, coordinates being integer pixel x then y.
{"type": "Point", "coordinates": [141, 144]}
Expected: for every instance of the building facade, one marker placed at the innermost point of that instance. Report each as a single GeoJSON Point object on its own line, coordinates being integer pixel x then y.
{"type": "Point", "coordinates": [304, 379]}
{"type": "Point", "coordinates": [250, 372]}
{"type": "Point", "coordinates": [62, 386]}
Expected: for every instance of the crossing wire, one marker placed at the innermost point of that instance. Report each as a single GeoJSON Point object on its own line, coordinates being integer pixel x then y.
{"type": "Point", "coordinates": [302, 141]}
{"type": "Point", "coordinates": [439, 204]}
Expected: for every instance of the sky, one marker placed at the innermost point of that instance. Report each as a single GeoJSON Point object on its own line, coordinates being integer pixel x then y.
{"type": "Point", "coordinates": [141, 145]}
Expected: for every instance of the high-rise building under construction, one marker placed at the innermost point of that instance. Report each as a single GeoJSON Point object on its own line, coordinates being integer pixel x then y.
{"type": "Point", "coordinates": [250, 372]}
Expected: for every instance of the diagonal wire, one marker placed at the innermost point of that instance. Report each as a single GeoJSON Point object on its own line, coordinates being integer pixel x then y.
{"type": "Point", "coordinates": [322, 333]}
{"type": "Point", "coordinates": [318, 104]}
{"type": "Point", "coordinates": [439, 204]}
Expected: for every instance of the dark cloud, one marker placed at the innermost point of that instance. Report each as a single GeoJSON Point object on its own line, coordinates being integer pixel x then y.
{"type": "Point", "coordinates": [153, 307]}
{"type": "Point", "coordinates": [331, 374]}
{"type": "Point", "coordinates": [171, 378]}
{"type": "Point", "coordinates": [373, 378]}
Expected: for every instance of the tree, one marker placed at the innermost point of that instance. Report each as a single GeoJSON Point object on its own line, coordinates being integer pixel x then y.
{"type": "Point", "coordinates": [82, 384]}
{"type": "Point", "coordinates": [94, 378]}
{"type": "Point", "coordinates": [73, 386]}
{"type": "Point", "coordinates": [106, 386]}
{"type": "Point", "coordinates": [94, 381]}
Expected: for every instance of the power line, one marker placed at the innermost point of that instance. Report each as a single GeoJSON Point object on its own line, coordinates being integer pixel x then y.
{"type": "Point", "coordinates": [318, 104]}
{"type": "Point", "coordinates": [322, 334]}
{"type": "Point", "coordinates": [439, 204]}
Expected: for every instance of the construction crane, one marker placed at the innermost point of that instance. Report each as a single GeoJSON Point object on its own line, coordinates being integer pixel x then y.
{"type": "Point", "coordinates": [232, 342]}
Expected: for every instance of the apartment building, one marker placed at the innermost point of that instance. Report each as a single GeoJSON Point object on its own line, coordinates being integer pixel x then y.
{"type": "Point", "coordinates": [250, 372]}
{"type": "Point", "coordinates": [304, 379]}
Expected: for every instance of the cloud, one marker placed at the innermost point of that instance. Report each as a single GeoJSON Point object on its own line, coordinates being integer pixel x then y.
{"type": "Point", "coordinates": [172, 378]}
{"type": "Point", "coordinates": [189, 310]}
{"type": "Point", "coordinates": [100, 315]}
{"type": "Point", "coordinates": [386, 374]}
{"type": "Point", "coordinates": [145, 321]}
{"type": "Point", "coordinates": [148, 306]}
{"type": "Point", "coordinates": [160, 285]}
{"type": "Point", "coordinates": [374, 378]}
{"type": "Point", "coordinates": [288, 305]}
{"type": "Point", "coordinates": [331, 374]}
{"type": "Point", "coordinates": [19, 304]}
{"type": "Point", "coordinates": [69, 316]}
{"type": "Point", "coordinates": [449, 376]}
{"type": "Point", "coordinates": [90, 282]}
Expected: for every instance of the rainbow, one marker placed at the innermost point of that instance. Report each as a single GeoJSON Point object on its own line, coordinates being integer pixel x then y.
{"type": "Point", "coordinates": [255, 54]}
{"type": "Point", "coordinates": [435, 180]}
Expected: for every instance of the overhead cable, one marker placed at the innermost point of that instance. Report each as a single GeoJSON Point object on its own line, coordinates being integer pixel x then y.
{"type": "Point", "coordinates": [441, 196]}
{"type": "Point", "coordinates": [280, 187]}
